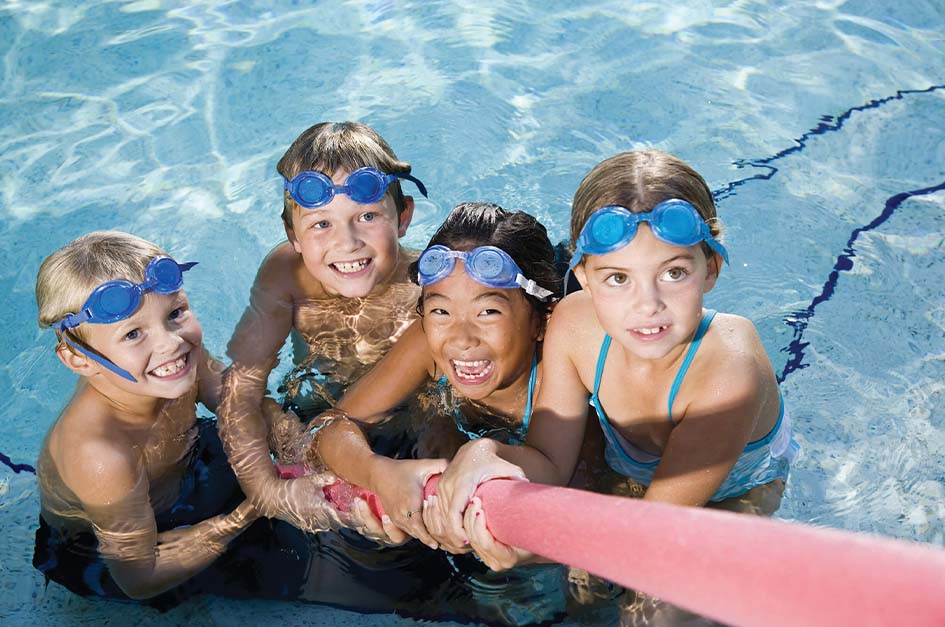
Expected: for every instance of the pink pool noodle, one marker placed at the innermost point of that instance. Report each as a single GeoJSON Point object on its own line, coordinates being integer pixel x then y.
{"type": "Point", "coordinates": [735, 568]}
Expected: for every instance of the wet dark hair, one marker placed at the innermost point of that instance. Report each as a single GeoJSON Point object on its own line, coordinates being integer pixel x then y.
{"type": "Point", "coordinates": [472, 224]}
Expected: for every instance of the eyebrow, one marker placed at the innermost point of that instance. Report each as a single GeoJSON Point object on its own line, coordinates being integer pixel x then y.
{"type": "Point", "coordinates": [681, 256]}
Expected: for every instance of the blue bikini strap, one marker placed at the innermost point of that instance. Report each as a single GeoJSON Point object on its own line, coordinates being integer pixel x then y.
{"type": "Point", "coordinates": [527, 416]}
{"type": "Point", "coordinates": [690, 354]}
{"type": "Point", "coordinates": [601, 358]}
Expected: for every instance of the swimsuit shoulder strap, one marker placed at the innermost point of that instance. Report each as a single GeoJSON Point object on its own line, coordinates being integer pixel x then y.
{"type": "Point", "coordinates": [527, 416]}
{"type": "Point", "coordinates": [601, 358]}
{"type": "Point", "coordinates": [690, 354]}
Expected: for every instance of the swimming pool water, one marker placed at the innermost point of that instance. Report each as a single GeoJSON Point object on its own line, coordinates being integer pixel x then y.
{"type": "Point", "coordinates": [817, 123]}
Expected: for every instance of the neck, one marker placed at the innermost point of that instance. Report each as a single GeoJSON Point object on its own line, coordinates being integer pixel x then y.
{"type": "Point", "coordinates": [511, 400]}
{"type": "Point", "coordinates": [133, 409]}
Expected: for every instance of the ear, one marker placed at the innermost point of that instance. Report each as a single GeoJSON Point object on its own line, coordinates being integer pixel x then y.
{"type": "Point", "coordinates": [405, 216]}
{"type": "Point", "coordinates": [74, 361]}
{"type": "Point", "coordinates": [580, 275]}
{"type": "Point", "coordinates": [290, 233]}
{"type": "Point", "coordinates": [541, 324]}
{"type": "Point", "coordinates": [713, 269]}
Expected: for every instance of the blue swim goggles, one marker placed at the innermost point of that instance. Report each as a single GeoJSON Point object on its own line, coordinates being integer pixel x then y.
{"type": "Point", "coordinates": [311, 189]}
{"type": "Point", "coordinates": [674, 221]}
{"type": "Point", "coordinates": [117, 300]}
{"type": "Point", "coordinates": [487, 265]}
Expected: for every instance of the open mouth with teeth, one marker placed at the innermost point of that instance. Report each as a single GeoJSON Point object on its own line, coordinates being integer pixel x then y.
{"type": "Point", "coordinates": [472, 372]}
{"type": "Point", "coordinates": [650, 333]}
{"type": "Point", "coordinates": [350, 268]}
{"type": "Point", "coordinates": [172, 369]}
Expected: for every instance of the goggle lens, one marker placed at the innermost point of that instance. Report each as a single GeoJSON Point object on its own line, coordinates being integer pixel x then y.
{"type": "Point", "coordinates": [610, 228]}
{"type": "Point", "coordinates": [487, 264]}
{"type": "Point", "coordinates": [165, 275]}
{"type": "Point", "coordinates": [432, 262]}
{"type": "Point", "coordinates": [115, 300]}
{"type": "Point", "coordinates": [678, 226]}
{"type": "Point", "coordinates": [364, 186]}
{"type": "Point", "coordinates": [311, 191]}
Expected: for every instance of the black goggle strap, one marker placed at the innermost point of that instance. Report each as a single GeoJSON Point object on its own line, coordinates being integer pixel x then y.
{"type": "Point", "coordinates": [415, 180]}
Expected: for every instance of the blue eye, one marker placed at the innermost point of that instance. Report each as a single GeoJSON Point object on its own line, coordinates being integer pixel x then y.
{"type": "Point", "coordinates": [177, 313]}
{"type": "Point", "coordinates": [133, 334]}
{"type": "Point", "coordinates": [369, 217]}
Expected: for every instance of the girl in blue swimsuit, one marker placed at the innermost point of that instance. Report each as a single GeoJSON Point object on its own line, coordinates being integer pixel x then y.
{"type": "Point", "coordinates": [489, 281]}
{"type": "Point", "coordinates": [686, 397]}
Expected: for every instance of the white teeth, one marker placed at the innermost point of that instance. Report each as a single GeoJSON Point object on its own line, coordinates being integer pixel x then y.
{"type": "Point", "coordinates": [166, 370]}
{"type": "Point", "coordinates": [470, 370]}
{"type": "Point", "coordinates": [347, 267]}
{"type": "Point", "coordinates": [650, 331]}
{"type": "Point", "coordinates": [470, 364]}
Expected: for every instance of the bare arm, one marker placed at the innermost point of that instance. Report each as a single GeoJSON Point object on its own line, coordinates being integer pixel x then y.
{"type": "Point", "coordinates": [718, 422]}
{"type": "Point", "coordinates": [343, 447]}
{"type": "Point", "coordinates": [144, 563]}
{"type": "Point", "coordinates": [244, 428]}
{"type": "Point", "coordinates": [554, 436]}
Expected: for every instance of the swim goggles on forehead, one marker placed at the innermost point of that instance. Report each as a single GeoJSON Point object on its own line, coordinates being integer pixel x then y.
{"type": "Point", "coordinates": [114, 301]}
{"type": "Point", "coordinates": [674, 221]}
{"type": "Point", "coordinates": [487, 265]}
{"type": "Point", "coordinates": [311, 189]}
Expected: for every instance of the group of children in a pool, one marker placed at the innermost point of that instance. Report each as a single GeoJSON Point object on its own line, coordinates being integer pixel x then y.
{"type": "Point", "coordinates": [686, 399]}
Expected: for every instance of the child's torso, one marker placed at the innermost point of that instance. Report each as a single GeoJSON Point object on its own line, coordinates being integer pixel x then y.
{"type": "Point", "coordinates": [163, 453]}
{"type": "Point", "coordinates": [343, 337]}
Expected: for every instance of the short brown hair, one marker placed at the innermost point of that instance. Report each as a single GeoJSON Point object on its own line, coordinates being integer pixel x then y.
{"type": "Point", "coordinates": [639, 180]}
{"type": "Point", "coordinates": [330, 146]}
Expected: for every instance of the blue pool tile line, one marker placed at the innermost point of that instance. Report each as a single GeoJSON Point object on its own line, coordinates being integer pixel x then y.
{"type": "Point", "coordinates": [798, 320]}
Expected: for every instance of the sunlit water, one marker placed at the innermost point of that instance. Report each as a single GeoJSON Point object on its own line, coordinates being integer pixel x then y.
{"type": "Point", "coordinates": [818, 123]}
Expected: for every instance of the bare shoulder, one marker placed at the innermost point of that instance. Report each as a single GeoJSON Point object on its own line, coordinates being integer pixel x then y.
{"type": "Point", "coordinates": [734, 335]}
{"type": "Point", "coordinates": [735, 353]}
{"type": "Point", "coordinates": [282, 275]}
{"type": "Point", "coordinates": [574, 316]}
{"type": "Point", "coordinates": [574, 330]}
{"type": "Point", "coordinates": [98, 462]}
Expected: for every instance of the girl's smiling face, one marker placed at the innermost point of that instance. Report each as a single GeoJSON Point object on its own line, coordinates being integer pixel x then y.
{"type": "Point", "coordinates": [483, 338]}
{"type": "Point", "coordinates": [648, 295]}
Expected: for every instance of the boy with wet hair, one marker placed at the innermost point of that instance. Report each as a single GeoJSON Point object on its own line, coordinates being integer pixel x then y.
{"type": "Point", "coordinates": [120, 471]}
{"type": "Point", "coordinates": [340, 283]}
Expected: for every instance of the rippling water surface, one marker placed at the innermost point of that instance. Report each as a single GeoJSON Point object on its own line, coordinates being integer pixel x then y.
{"type": "Point", "coordinates": [818, 123]}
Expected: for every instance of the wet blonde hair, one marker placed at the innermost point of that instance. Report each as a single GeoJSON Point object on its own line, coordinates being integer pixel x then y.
{"type": "Point", "coordinates": [67, 277]}
{"type": "Point", "coordinates": [639, 180]}
{"type": "Point", "coordinates": [330, 146]}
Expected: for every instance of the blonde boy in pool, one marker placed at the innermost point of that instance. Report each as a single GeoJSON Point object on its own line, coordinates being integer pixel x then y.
{"type": "Point", "coordinates": [116, 456]}
{"type": "Point", "coordinates": [339, 281]}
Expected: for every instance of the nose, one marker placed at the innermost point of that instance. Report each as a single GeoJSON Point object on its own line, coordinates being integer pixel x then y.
{"type": "Point", "coordinates": [167, 340]}
{"type": "Point", "coordinates": [347, 237]}
{"type": "Point", "coordinates": [462, 336]}
{"type": "Point", "coordinates": [646, 298]}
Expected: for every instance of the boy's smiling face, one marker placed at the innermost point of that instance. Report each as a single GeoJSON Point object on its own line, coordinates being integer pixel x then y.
{"type": "Point", "coordinates": [348, 247]}
{"type": "Point", "coordinates": [159, 345]}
